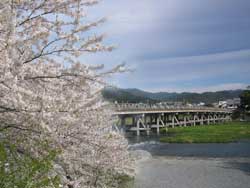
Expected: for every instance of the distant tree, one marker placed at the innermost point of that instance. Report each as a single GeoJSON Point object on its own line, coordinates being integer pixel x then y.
{"type": "Point", "coordinates": [244, 109]}
{"type": "Point", "coordinates": [245, 99]}
{"type": "Point", "coordinates": [209, 105]}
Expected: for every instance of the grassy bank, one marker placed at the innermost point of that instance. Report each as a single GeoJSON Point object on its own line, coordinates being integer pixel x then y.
{"type": "Point", "coordinates": [126, 182]}
{"type": "Point", "coordinates": [221, 133]}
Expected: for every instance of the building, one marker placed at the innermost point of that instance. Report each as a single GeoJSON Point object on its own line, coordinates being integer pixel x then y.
{"type": "Point", "coordinates": [230, 103]}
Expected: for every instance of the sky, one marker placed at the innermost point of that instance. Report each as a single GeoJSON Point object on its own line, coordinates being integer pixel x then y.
{"type": "Point", "coordinates": [176, 45]}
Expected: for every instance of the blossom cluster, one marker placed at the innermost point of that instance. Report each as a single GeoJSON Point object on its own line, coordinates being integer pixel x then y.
{"type": "Point", "coordinates": [47, 94]}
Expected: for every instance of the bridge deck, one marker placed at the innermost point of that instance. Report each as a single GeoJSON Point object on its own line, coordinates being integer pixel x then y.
{"type": "Point", "coordinates": [172, 110]}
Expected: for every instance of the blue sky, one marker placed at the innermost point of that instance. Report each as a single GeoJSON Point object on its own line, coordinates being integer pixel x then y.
{"type": "Point", "coordinates": [177, 45]}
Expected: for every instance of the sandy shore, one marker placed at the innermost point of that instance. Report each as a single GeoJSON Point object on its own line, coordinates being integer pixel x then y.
{"type": "Point", "coordinates": [163, 172]}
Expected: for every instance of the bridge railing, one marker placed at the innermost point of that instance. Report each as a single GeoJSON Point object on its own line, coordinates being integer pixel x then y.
{"type": "Point", "coordinates": [155, 107]}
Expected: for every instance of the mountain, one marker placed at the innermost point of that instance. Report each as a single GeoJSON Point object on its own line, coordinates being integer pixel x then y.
{"type": "Point", "coordinates": [136, 95]}
{"type": "Point", "coordinates": [125, 95]}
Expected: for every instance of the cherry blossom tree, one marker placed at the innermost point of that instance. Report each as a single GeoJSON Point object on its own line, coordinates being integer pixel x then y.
{"type": "Point", "coordinates": [49, 99]}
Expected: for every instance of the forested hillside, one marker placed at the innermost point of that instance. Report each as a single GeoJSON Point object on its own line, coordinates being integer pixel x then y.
{"type": "Point", "coordinates": [136, 95]}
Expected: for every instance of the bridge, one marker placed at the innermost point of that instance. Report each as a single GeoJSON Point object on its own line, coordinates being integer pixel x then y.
{"type": "Point", "coordinates": [147, 118]}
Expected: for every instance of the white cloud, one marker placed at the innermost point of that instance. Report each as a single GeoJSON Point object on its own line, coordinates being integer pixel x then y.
{"type": "Point", "coordinates": [211, 58]}
{"type": "Point", "coordinates": [127, 17]}
{"type": "Point", "coordinates": [191, 68]}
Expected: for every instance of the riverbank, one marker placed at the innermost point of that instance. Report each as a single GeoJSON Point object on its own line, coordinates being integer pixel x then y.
{"type": "Point", "coordinates": [171, 172]}
{"type": "Point", "coordinates": [221, 133]}
{"type": "Point", "coordinates": [175, 165]}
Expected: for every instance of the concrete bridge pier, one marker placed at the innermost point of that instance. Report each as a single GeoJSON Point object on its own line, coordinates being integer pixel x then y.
{"type": "Point", "coordinates": [138, 128]}
{"type": "Point", "coordinates": [185, 121]}
{"type": "Point", "coordinates": [202, 119]}
{"type": "Point", "coordinates": [195, 119]}
{"type": "Point", "coordinates": [214, 118]}
{"type": "Point", "coordinates": [158, 123]}
{"type": "Point", "coordinates": [208, 119]}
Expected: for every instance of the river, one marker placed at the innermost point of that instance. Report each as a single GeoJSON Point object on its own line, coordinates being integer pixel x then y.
{"type": "Point", "coordinates": [163, 165]}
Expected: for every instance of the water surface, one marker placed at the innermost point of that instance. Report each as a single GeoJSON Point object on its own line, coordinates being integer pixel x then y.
{"type": "Point", "coordinates": [156, 148]}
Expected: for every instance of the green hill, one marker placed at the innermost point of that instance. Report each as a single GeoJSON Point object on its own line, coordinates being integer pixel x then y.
{"type": "Point", "coordinates": [136, 95]}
